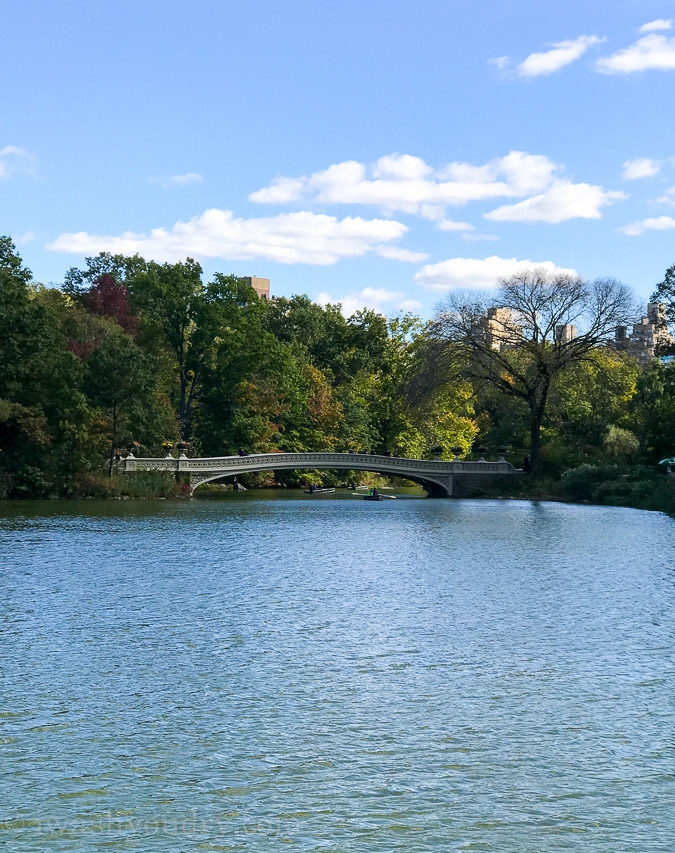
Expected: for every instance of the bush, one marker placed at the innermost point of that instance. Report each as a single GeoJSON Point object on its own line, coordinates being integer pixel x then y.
{"type": "Point", "coordinates": [639, 486]}
{"type": "Point", "coordinates": [579, 483]}
{"type": "Point", "coordinates": [141, 484]}
{"type": "Point", "coordinates": [621, 443]}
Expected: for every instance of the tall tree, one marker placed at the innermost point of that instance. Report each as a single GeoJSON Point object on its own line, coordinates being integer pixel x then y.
{"type": "Point", "coordinates": [521, 348]}
{"type": "Point", "coordinates": [171, 298]}
{"type": "Point", "coordinates": [44, 418]}
{"type": "Point", "coordinates": [665, 292]}
{"type": "Point", "coordinates": [122, 268]}
{"type": "Point", "coordinates": [654, 410]}
{"type": "Point", "coordinates": [118, 376]}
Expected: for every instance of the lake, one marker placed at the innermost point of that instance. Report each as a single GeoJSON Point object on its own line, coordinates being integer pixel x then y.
{"type": "Point", "coordinates": [324, 674]}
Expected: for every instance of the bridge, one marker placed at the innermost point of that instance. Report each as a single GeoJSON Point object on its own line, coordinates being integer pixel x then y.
{"type": "Point", "coordinates": [435, 476]}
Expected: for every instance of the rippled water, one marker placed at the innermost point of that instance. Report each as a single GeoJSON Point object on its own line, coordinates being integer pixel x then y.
{"type": "Point", "coordinates": [333, 675]}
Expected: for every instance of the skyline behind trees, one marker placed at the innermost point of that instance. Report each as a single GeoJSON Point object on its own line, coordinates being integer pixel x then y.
{"type": "Point", "coordinates": [132, 351]}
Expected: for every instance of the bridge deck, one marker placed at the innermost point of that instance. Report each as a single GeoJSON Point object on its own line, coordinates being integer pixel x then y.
{"type": "Point", "coordinates": [435, 475]}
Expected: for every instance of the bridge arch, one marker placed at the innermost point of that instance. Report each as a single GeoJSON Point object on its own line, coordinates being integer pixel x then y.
{"type": "Point", "coordinates": [436, 476]}
{"type": "Point", "coordinates": [432, 487]}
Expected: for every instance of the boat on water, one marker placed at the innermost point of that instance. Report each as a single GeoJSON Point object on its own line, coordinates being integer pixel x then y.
{"type": "Point", "coordinates": [318, 491]}
{"type": "Point", "coordinates": [378, 497]}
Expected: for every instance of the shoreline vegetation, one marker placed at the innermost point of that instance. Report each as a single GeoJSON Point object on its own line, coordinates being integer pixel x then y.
{"type": "Point", "coordinates": [636, 487]}
{"type": "Point", "coordinates": [128, 354]}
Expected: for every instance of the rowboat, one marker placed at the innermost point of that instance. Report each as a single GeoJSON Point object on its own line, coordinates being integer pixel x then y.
{"type": "Point", "coordinates": [379, 497]}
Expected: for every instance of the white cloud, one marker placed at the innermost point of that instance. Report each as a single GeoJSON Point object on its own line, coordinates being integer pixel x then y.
{"type": "Point", "coordinates": [409, 305]}
{"type": "Point", "coordinates": [658, 24]}
{"type": "Point", "coordinates": [289, 238]}
{"type": "Point", "coordinates": [28, 237]}
{"type": "Point", "coordinates": [184, 180]}
{"type": "Point", "coordinates": [640, 167]}
{"type": "Point", "coordinates": [393, 253]}
{"type": "Point", "coordinates": [562, 201]}
{"type": "Point", "coordinates": [376, 298]}
{"type": "Point", "coordinates": [474, 273]}
{"type": "Point", "coordinates": [473, 237]}
{"type": "Point", "coordinates": [15, 160]}
{"type": "Point", "coordinates": [650, 52]}
{"type": "Point", "coordinates": [500, 62]}
{"type": "Point", "coordinates": [280, 191]}
{"type": "Point", "coordinates": [401, 182]}
{"type": "Point", "coordinates": [561, 54]}
{"type": "Point", "coordinates": [451, 225]}
{"type": "Point", "coordinates": [668, 197]}
{"type": "Point", "coordinates": [654, 223]}
{"type": "Point", "coordinates": [403, 167]}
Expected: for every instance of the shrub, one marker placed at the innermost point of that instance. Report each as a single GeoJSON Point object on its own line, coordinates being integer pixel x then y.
{"type": "Point", "coordinates": [579, 483]}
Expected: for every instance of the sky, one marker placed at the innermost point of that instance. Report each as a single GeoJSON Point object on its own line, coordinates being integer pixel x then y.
{"type": "Point", "coordinates": [377, 154]}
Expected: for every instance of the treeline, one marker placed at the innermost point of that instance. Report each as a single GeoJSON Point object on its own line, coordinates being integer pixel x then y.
{"type": "Point", "coordinates": [130, 354]}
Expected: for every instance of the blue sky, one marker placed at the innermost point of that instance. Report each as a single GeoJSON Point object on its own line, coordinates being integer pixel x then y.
{"type": "Point", "coordinates": [377, 153]}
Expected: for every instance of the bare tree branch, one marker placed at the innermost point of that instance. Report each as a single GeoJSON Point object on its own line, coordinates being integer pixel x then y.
{"type": "Point", "coordinates": [536, 326]}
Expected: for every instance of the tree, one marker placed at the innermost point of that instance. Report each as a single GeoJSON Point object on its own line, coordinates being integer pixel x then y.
{"type": "Point", "coordinates": [587, 399]}
{"type": "Point", "coordinates": [118, 376]}
{"type": "Point", "coordinates": [665, 292]}
{"type": "Point", "coordinates": [122, 268]}
{"type": "Point", "coordinates": [521, 340]}
{"type": "Point", "coordinates": [17, 341]}
{"type": "Point", "coordinates": [654, 410]}
{"type": "Point", "coordinates": [171, 298]}
{"type": "Point", "coordinates": [44, 418]}
{"type": "Point", "coordinates": [108, 298]}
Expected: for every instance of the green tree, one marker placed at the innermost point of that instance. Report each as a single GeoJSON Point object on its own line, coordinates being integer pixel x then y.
{"type": "Point", "coordinates": [123, 269]}
{"type": "Point", "coordinates": [585, 401]}
{"type": "Point", "coordinates": [171, 300]}
{"type": "Point", "coordinates": [653, 410]}
{"type": "Point", "coordinates": [665, 292]}
{"type": "Point", "coordinates": [519, 350]}
{"type": "Point", "coordinates": [117, 379]}
{"type": "Point", "coordinates": [45, 434]}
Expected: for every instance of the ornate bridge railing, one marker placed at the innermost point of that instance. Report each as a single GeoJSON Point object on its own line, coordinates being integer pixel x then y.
{"type": "Point", "coordinates": [435, 476]}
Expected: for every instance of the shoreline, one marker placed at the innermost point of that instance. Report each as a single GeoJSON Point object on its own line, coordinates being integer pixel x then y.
{"type": "Point", "coordinates": [538, 498]}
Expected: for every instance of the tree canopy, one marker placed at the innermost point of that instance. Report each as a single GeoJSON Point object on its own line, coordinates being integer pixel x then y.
{"type": "Point", "coordinates": [132, 353]}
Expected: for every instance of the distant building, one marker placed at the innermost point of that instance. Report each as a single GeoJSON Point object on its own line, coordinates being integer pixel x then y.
{"type": "Point", "coordinates": [499, 329]}
{"type": "Point", "coordinates": [260, 285]}
{"type": "Point", "coordinates": [565, 334]}
{"type": "Point", "coordinates": [650, 332]}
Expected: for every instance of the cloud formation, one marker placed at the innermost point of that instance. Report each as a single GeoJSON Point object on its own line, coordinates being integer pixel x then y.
{"type": "Point", "coordinates": [451, 225]}
{"type": "Point", "coordinates": [289, 238]}
{"type": "Point", "coordinates": [376, 298]}
{"type": "Point", "coordinates": [668, 197]}
{"type": "Point", "coordinates": [653, 223]}
{"type": "Point", "coordinates": [15, 160]}
{"type": "Point", "coordinates": [184, 180]}
{"type": "Point", "coordinates": [658, 24]}
{"type": "Point", "coordinates": [562, 53]}
{"type": "Point", "coordinates": [404, 183]}
{"type": "Point", "coordinates": [651, 52]}
{"type": "Point", "coordinates": [562, 201]}
{"type": "Point", "coordinates": [474, 273]}
{"type": "Point", "coordinates": [640, 167]}
{"type": "Point", "coordinates": [394, 253]}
